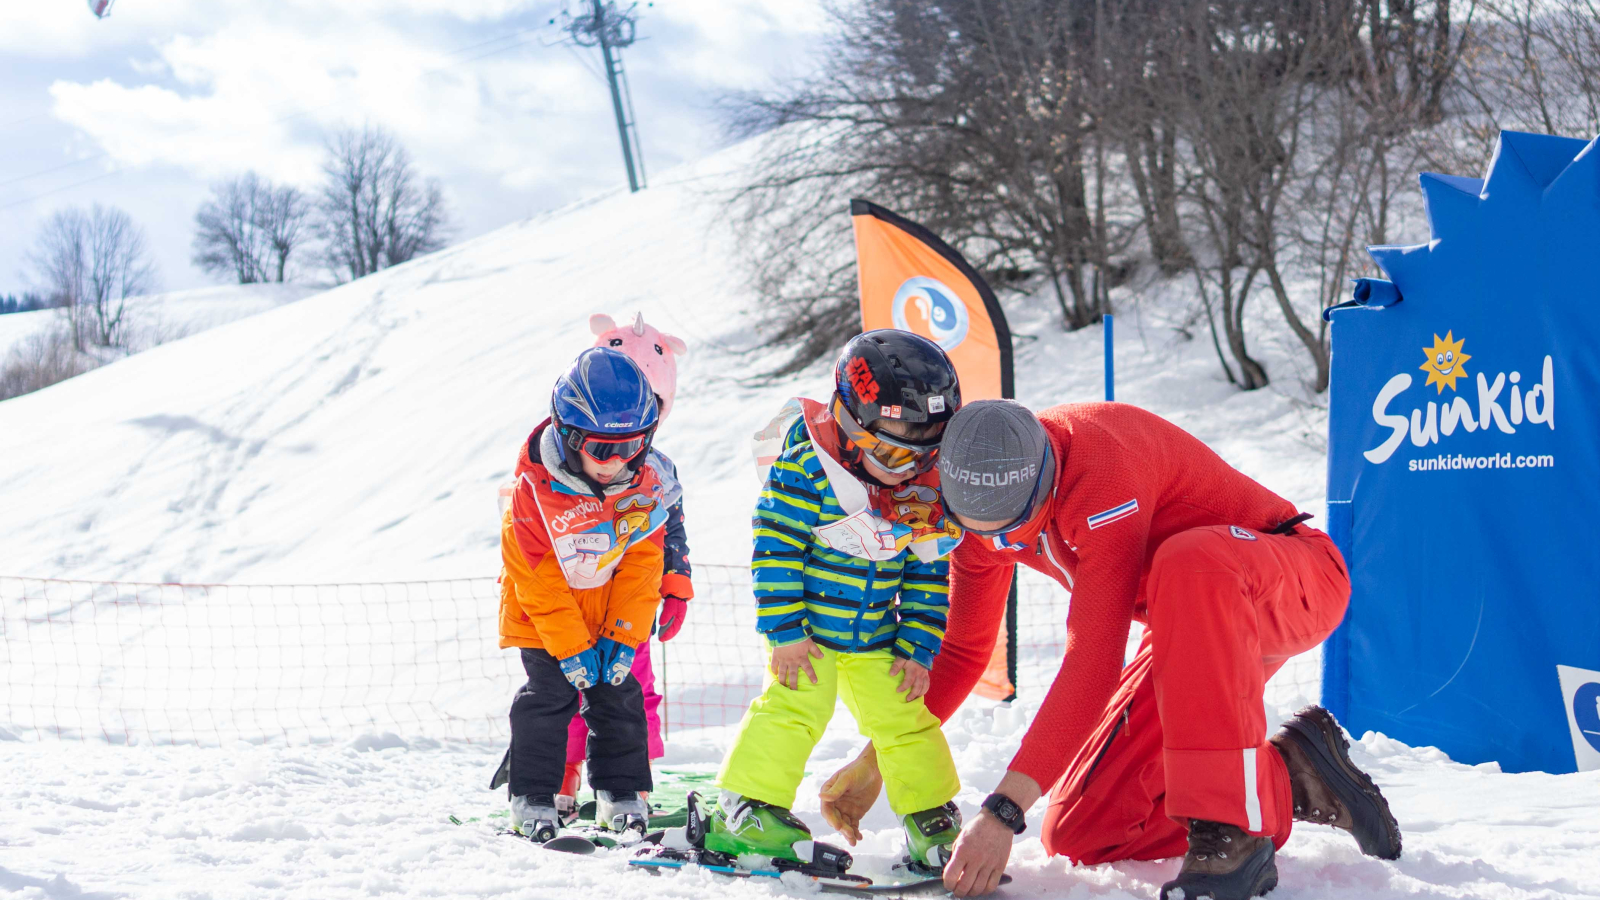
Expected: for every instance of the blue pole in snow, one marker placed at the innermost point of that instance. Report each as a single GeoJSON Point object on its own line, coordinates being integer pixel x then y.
{"type": "Point", "coordinates": [1111, 366]}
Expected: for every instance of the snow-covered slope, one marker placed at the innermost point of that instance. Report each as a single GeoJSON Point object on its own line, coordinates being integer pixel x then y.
{"type": "Point", "coordinates": [18, 327]}
{"type": "Point", "coordinates": [166, 317]}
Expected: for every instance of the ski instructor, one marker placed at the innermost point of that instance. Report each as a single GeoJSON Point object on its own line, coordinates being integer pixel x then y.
{"type": "Point", "coordinates": [1168, 755]}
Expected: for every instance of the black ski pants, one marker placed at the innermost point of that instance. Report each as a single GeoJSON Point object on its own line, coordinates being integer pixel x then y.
{"type": "Point", "coordinates": [618, 752]}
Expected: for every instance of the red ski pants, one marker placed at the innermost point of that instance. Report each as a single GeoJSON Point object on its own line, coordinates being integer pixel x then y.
{"type": "Point", "coordinates": [1185, 735]}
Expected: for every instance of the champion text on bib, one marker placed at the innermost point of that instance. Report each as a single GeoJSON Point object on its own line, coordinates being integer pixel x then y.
{"type": "Point", "coordinates": [589, 536]}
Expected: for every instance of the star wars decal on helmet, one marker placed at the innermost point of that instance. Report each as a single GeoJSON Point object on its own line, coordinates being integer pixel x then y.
{"type": "Point", "coordinates": [861, 380]}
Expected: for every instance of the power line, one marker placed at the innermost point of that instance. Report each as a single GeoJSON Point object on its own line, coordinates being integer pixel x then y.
{"type": "Point", "coordinates": [611, 29]}
{"type": "Point", "coordinates": [15, 122]}
{"type": "Point", "coordinates": [583, 61]}
{"type": "Point", "coordinates": [41, 172]}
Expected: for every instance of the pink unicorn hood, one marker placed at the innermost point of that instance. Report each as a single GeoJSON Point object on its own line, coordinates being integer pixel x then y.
{"type": "Point", "coordinates": [656, 353]}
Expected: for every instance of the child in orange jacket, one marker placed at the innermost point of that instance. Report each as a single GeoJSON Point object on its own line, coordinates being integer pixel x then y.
{"type": "Point", "coordinates": [582, 548]}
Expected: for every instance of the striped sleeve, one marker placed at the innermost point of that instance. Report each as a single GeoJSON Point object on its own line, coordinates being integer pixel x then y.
{"type": "Point", "coordinates": [924, 600]}
{"type": "Point", "coordinates": [788, 510]}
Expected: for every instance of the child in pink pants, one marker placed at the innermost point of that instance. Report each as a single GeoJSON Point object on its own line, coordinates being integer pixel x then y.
{"type": "Point", "coordinates": [656, 354]}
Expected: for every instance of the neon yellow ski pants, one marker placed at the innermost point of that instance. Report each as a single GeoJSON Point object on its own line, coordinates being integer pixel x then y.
{"type": "Point", "coordinates": [782, 727]}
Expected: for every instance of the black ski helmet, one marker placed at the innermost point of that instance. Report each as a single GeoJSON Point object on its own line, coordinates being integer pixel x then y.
{"type": "Point", "coordinates": [892, 374]}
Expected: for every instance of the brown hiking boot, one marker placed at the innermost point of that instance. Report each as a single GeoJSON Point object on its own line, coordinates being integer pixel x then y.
{"type": "Point", "coordinates": [1223, 863]}
{"type": "Point", "coordinates": [1329, 789]}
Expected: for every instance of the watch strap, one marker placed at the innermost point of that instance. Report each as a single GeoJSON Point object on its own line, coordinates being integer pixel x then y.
{"type": "Point", "coordinates": [1008, 811]}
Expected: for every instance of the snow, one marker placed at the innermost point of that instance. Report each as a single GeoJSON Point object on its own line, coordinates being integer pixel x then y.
{"type": "Point", "coordinates": [360, 435]}
{"type": "Point", "coordinates": [369, 818]}
{"type": "Point", "coordinates": [159, 318]}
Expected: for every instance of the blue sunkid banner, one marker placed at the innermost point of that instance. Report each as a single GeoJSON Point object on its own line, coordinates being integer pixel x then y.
{"type": "Point", "coordinates": [1464, 470]}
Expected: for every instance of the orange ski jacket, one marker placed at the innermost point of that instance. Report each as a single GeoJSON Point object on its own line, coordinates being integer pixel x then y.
{"type": "Point", "coordinates": [577, 568]}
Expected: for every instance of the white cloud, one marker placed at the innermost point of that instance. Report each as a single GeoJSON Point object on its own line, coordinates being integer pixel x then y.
{"type": "Point", "coordinates": [480, 92]}
{"type": "Point", "coordinates": [65, 28]}
{"type": "Point", "coordinates": [260, 95]}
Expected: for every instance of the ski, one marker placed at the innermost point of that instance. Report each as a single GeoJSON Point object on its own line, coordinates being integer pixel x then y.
{"type": "Point", "coordinates": [659, 818]}
{"type": "Point", "coordinates": [664, 859]}
{"type": "Point", "coordinates": [572, 833]}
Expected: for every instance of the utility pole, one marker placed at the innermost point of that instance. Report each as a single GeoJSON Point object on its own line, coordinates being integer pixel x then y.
{"type": "Point", "coordinates": [611, 29]}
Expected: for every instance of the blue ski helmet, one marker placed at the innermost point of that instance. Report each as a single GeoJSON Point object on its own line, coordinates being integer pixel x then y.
{"type": "Point", "coordinates": [604, 394]}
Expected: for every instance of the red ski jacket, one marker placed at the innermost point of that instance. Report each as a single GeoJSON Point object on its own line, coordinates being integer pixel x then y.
{"type": "Point", "coordinates": [1126, 480]}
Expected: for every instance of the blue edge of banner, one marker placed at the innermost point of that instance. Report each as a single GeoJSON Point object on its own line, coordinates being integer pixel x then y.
{"type": "Point", "coordinates": [1336, 649]}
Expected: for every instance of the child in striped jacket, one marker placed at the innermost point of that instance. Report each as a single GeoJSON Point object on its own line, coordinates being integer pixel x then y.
{"type": "Point", "coordinates": [851, 579]}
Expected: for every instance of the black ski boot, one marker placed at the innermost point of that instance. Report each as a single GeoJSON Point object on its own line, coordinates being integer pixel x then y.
{"type": "Point", "coordinates": [1223, 863]}
{"type": "Point", "coordinates": [1329, 789]}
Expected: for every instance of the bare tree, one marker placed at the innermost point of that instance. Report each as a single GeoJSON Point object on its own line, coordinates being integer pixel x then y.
{"type": "Point", "coordinates": [374, 211]}
{"type": "Point", "coordinates": [1300, 120]}
{"type": "Point", "coordinates": [40, 361]}
{"type": "Point", "coordinates": [249, 229]}
{"type": "Point", "coordinates": [1366, 141]}
{"type": "Point", "coordinates": [89, 263]}
{"type": "Point", "coordinates": [1249, 70]}
{"type": "Point", "coordinates": [1532, 65]}
{"type": "Point", "coordinates": [977, 118]}
{"type": "Point", "coordinates": [284, 218]}
{"type": "Point", "coordinates": [1143, 66]}
{"type": "Point", "coordinates": [1256, 145]}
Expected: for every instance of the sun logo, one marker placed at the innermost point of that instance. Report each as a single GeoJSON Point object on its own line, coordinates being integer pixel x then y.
{"type": "Point", "coordinates": [1444, 362]}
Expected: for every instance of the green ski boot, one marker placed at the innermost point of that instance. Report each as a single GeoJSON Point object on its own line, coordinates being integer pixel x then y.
{"type": "Point", "coordinates": [739, 826]}
{"type": "Point", "coordinates": [929, 836]}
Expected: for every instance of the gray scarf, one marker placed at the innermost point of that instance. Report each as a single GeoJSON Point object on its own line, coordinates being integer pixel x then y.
{"type": "Point", "coordinates": [550, 454]}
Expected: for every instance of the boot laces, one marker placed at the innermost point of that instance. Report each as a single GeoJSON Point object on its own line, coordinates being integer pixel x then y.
{"type": "Point", "coordinates": [1208, 839]}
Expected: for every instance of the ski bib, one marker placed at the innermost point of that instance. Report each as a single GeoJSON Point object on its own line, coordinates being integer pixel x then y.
{"type": "Point", "coordinates": [878, 523]}
{"type": "Point", "coordinates": [589, 536]}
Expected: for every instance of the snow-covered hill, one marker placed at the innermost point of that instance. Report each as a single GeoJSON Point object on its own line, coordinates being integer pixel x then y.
{"type": "Point", "coordinates": [361, 434]}
{"type": "Point", "coordinates": [167, 317]}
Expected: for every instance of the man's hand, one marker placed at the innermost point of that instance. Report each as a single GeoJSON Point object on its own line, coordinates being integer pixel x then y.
{"type": "Point", "coordinates": [788, 662]}
{"type": "Point", "coordinates": [984, 847]}
{"type": "Point", "coordinates": [915, 682]}
{"type": "Point", "coordinates": [980, 857]}
{"type": "Point", "coordinates": [850, 793]}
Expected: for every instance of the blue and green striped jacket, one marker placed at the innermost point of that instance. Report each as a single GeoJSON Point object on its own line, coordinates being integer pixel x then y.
{"type": "Point", "coordinates": [805, 589]}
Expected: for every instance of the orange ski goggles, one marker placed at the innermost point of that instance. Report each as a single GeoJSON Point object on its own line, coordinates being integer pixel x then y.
{"type": "Point", "coordinates": [893, 454]}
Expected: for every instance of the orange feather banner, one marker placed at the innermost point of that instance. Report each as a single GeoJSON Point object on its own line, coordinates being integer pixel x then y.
{"type": "Point", "coordinates": [913, 281]}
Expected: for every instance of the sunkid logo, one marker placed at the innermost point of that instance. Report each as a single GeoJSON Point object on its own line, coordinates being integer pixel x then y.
{"type": "Point", "coordinates": [1504, 403]}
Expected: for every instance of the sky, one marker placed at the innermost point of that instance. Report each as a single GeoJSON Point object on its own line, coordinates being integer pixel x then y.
{"type": "Point", "coordinates": [148, 108]}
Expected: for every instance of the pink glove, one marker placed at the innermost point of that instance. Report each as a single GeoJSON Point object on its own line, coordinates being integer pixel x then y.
{"type": "Point", "coordinates": [673, 609]}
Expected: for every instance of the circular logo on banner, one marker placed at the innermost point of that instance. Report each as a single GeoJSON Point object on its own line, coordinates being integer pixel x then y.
{"type": "Point", "coordinates": [1586, 712]}
{"type": "Point", "coordinates": [925, 306]}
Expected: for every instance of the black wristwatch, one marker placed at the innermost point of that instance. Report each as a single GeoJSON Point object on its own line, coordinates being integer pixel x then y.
{"type": "Point", "coordinates": [1007, 811]}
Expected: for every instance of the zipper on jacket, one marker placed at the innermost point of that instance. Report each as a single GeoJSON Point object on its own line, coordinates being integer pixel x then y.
{"type": "Point", "coordinates": [866, 603]}
{"type": "Point", "coordinates": [1044, 545]}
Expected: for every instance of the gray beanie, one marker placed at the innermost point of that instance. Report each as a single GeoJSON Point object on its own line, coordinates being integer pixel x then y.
{"type": "Point", "coordinates": [990, 459]}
